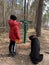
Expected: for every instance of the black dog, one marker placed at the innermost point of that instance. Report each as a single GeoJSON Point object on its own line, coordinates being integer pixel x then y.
{"type": "Point", "coordinates": [35, 55]}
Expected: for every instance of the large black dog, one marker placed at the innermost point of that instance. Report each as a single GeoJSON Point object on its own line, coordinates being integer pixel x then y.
{"type": "Point", "coordinates": [35, 55]}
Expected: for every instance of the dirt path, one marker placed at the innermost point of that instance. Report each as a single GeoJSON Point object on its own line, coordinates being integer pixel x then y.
{"type": "Point", "coordinates": [22, 57]}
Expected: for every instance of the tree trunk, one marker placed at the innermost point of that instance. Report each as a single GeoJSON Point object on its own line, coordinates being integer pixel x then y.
{"type": "Point", "coordinates": [4, 19]}
{"type": "Point", "coordinates": [39, 18]}
{"type": "Point", "coordinates": [25, 10]}
{"type": "Point", "coordinates": [12, 11]}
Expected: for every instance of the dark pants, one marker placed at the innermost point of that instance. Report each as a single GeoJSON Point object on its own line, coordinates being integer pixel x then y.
{"type": "Point", "coordinates": [12, 46]}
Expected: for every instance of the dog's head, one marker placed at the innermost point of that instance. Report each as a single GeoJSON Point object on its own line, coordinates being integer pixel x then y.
{"type": "Point", "coordinates": [32, 37]}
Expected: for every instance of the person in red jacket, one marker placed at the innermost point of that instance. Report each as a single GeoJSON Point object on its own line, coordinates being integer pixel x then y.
{"type": "Point", "coordinates": [14, 33]}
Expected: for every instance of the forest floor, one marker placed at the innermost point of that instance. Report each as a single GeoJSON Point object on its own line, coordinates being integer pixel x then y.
{"type": "Point", "coordinates": [22, 56]}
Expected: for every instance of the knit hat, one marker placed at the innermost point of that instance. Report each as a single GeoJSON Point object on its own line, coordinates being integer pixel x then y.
{"type": "Point", "coordinates": [13, 17]}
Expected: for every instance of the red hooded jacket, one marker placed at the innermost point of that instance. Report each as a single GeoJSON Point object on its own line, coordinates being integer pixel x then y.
{"type": "Point", "coordinates": [14, 32]}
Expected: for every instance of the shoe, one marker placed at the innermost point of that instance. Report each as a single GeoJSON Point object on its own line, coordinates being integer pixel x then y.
{"type": "Point", "coordinates": [10, 52]}
{"type": "Point", "coordinates": [14, 53]}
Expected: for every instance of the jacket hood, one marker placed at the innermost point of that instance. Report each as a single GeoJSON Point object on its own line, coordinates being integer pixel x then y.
{"type": "Point", "coordinates": [13, 23]}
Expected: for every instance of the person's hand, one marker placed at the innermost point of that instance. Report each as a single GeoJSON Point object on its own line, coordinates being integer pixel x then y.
{"type": "Point", "coordinates": [18, 41]}
{"type": "Point", "coordinates": [20, 22]}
